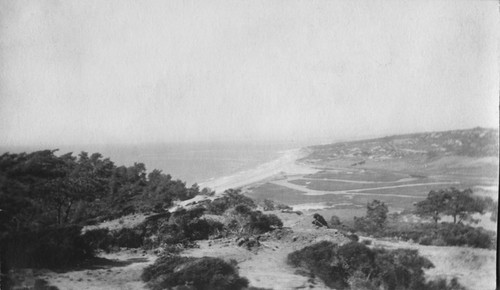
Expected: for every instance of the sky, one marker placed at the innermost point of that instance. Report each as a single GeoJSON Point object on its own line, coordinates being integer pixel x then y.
{"type": "Point", "coordinates": [99, 72]}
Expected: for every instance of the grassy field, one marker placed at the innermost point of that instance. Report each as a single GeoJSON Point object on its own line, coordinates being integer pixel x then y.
{"type": "Point", "coordinates": [339, 201]}
{"type": "Point", "coordinates": [417, 191]}
{"type": "Point", "coordinates": [334, 185]}
{"type": "Point", "coordinates": [359, 175]}
{"type": "Point", "coordinates": [290, 196]}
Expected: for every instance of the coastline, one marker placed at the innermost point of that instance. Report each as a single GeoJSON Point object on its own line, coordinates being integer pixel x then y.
{"type": "Point", "coordinates": [285, 164]}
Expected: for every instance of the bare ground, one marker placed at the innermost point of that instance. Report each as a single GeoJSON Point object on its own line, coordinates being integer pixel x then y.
{"type": "Point", "coordinates": [116, 271]}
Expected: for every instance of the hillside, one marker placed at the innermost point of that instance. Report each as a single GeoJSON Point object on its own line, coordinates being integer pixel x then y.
{"type": "Point", "coordinates": [251, 231]}
{"type": "Point", "coordinates": [477, 142]}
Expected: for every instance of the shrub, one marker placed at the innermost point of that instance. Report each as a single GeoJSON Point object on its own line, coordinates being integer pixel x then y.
{"type": "Point", "coordinates": [182, 226]}
{"type": "Point", "coordinates": [105, 239]}
{"type": "Point", "coordinates": [268, 205]}
{"type": "Point", "coordinates": [98, 239]}
{"type": "Point", "coordinates": [459, 235]}
{"type": "Point", "coordinates": [366, 242]}
{"type": "Point", "coordinates": [445, 234]}
{"type": "Point", "coordinates": [52, 248]}
{"type": "Point", "coordinates": [319, 220]}
{"type": "Point", "coordinates": [245, 220]}
{"type": "Point", "coordinates": [375, 219]}
{"type": "Point", "coordinates": [261, 223]}
{"type": "Point", "coordinates": [442, 284]}
{"type": "Point", "coordinates": [128, 238]}
{"type": "Point", "coordinates": [321, 260]}
{"type": "Point", "coordinates": [334, 222]}
{"type": "Point", "coordinates": [231, 199]}
{"type": "Point", "coordinates": [359, 267]}
{"type": "Point", "coordinates": [365, 225]}
{"type": "Point", "coordinates": [201, 273]}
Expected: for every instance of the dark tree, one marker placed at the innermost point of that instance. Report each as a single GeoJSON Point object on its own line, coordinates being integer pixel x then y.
{"type": "Point", "coordinates": [459, 204]}
{"type": "Point", "coordinates": [434, 206]}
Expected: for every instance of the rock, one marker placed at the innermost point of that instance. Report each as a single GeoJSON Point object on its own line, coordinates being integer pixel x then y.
{"type": "Point", "coordinates": [295, 238]}
{"type": "Point", "coordinates": [319, 220]}
{"type": "Point", "coordinates": [240, 241]}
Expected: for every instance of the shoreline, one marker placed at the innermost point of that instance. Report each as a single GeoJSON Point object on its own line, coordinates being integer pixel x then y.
{"type": "Point", "coordinates": [285, 164]}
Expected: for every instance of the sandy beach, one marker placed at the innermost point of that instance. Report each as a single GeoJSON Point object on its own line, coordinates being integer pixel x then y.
{"type": "Point", "coordinates": [286, 164]}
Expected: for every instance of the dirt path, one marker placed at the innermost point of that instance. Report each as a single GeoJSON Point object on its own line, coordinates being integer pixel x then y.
{"type": "Point", "coordinates": [308, 191]}
{"type": "Point", "coordinates": [117, 271]}
{"type": "Point", "coordinates": [360, 181]}
{"type": "Point", "coordinates": [264, 268]}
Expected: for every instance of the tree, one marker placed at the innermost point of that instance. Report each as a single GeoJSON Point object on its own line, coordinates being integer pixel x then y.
{"type": "Point", "coordinates": [334, 222]}
{"type": "Point", "coordinates": [376, 211]}
{"type": "Point", "coordinates": [268, 205]}
{"type": "Point", "coordinates": [375, 219]}
{"type": "Point", "coordinates": [461, 205]}
{"type": "Point", "coordinates": [433, 206]}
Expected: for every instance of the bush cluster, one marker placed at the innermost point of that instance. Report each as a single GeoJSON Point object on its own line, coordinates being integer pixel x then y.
{"type": "Point", "coordinates": [231, 199]}
{"type": "Point", "coordinates": [268, 205]}
{"type": "Point", "coordinates": [199, 273]}
{"type": "Point", "coordinates": [47, 248]}
{"type": "Point", "coordinates": [104, 239]}
{"type": "Point", "coordinates": [244, 220]}
{"type": "Point", "coordinates": [181, 227]}
{"type": "Point", "coordinates": [356, 266]}
{"type": "Point", "coordinates": [444, 234]}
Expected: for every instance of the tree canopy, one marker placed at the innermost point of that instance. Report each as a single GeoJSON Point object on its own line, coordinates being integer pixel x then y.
{"type": "Point", "coordinates": [41, 189]}
{"type": "Point", "coordinates": [459, 204]}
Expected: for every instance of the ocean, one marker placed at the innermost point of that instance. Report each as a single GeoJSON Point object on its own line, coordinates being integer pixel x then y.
{"type": "Point", "coordinates": [189, 162]}
{"type": "Point", "coordinates": [197, 162]}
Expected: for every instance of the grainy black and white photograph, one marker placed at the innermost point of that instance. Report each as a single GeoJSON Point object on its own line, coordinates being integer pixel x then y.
{"type": "Point", "coordinates": [249, 145]}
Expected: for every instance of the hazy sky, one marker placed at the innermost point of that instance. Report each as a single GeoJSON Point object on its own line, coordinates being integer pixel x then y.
{"type": "Point", "coordinates": [148, 71]}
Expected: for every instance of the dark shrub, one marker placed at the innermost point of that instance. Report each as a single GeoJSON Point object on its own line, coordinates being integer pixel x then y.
{"type": "Point", "coordinates": [359, 267]}
{"type": "Point", "coordinates": [105, 239]}
{"type": "Point", "coordinates": [442, 284]}
{"type": "Point", "coordinates": [128, 238]}
{"type": "Point", "coordinates": [260, 223]}
{"type": "Point", "coordinates": [230, 199]}
{"type": "Point", "coordinates": [426, 240]}
{"type": "Point", "coordinates": [334, 222]}
{"type": "Point", "coordinates": [268, 205]}
{"type": "Point", "coordinates": [244, 220]}
{"type": "Point", "coordinates": [459, 235]}
{"type": "Point", "coordinates": [198, 229]}
{"type": "Point", "coordinates": [445, 234]}
{"type": "Point", "coordinates": [51, 248]}
{"type": "Point", "coordinates": [319, 220]}
{"type": "Point", "coordinates": [98, 239]}
{"type": "Point", "coordinates": [201, 273]}
{"type": "Point", "coordinates": [216, 228]}
{"type": "Point", "coordinates": [322, 260]}
{"type": "Point", "coordinates": [181, 227]}
{"type": "Point", "coordinates": [357, 256]}
{"type": "Point", "coordinates": [353, 237]}
{"type": "Point", "coordinates": [400, 269]}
